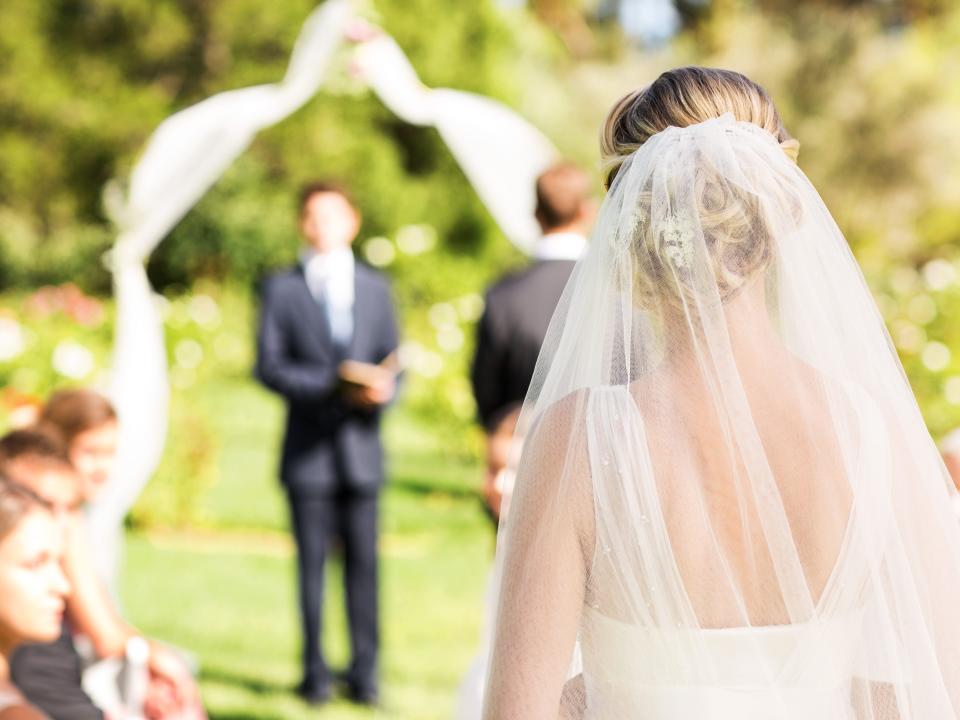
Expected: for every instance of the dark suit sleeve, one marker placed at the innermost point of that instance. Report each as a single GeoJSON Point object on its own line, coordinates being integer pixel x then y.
{"type": "Point", "coordinates": [486, 370]}
{"type": "Point", "coordinates": [275, 368]}
{"type": "Point", "coordinates": [390, 336]}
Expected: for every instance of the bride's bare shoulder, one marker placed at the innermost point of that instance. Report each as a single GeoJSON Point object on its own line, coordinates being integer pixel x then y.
{"type": "Point", "coordinates": [555, 459]}
{"type": "Point", "coordinates": [561, 417]}
{"type": "Point", "coordinates": [567, 418]}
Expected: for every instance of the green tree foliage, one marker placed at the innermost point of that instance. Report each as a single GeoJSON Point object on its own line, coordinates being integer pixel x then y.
{"type": "Point", "coordinates": [875, 115]}
{"type": "Point", "coordinates": [84, 82]}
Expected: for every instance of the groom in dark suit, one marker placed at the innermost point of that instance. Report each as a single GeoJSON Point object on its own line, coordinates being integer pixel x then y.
{"type": "Point", "coordinates": [517, 312]}
{"type": "Point", "coordinates": [320, 321]}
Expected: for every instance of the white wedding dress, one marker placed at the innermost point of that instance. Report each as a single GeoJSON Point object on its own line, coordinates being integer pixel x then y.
{"type": "Point", "coordinates": [727, 503]}
{"type": "Point", "coordinates": [802, 671]}
{"type": "Point", "coordinates": [813, 657]}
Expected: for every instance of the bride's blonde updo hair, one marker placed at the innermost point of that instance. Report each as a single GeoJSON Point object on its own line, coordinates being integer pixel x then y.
{"type": "Point", "coordinates": [737, 238]}
{"type": "Point", "coordinates": [681, 97]}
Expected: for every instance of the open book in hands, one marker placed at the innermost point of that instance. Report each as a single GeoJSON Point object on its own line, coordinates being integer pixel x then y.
{"type": "Point", "coordinates": [369, 384]}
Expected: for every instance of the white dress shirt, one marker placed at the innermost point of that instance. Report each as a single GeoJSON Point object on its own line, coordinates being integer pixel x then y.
{"type": "Point", "coordinates": [330, 278]}
{"type": "Point", "coordinates": [560, 246]}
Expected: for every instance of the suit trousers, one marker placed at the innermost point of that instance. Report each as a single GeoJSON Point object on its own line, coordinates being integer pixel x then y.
{"type": "Point", "coordinates": [353, 519]}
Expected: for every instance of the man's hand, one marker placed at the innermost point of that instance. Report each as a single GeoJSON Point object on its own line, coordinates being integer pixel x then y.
{"type": "Point", "coordinates": [376, 394]}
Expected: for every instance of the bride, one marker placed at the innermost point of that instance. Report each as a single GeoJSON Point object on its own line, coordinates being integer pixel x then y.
{"type": "Point", "coordinates": [727, 505]}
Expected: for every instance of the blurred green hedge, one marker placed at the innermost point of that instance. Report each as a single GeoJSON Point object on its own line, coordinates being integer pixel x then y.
{"type": "Point", "coordinates": [57, 336]}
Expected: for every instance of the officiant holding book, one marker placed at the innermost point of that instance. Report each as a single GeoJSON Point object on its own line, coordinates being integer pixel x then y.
{"type": "Point", "coordinates": [327, 343]}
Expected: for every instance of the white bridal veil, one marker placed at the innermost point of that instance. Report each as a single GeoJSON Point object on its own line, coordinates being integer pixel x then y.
{"type": "Point", "coordinates": [727, 499]}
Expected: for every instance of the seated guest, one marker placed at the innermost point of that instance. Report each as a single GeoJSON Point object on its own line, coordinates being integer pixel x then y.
{"type": "Point", "coordinates": [87, 424]}
{"type": "Point", "coordinates": [32, 585]}
{"type": "Point", "coordinates": [49, 673]}
{"type": "Point", "coordinates": [33, 459]}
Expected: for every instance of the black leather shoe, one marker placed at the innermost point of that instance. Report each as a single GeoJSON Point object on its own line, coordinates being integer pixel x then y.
{"type": "Point", "coordinates": [314, 694]}
{"type": "Point", "coordinates": [367, 696]}
{"type": "Point", "coordinates": [358, 694]}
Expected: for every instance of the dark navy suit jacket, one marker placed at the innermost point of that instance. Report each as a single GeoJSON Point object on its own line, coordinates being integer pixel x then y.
{"type": "Point", "coordinates": [329, 446]}
{"type": "Point", "coordinates": [516, 316]}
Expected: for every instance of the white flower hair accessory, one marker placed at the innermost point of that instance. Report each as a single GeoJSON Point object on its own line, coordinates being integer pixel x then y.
{"type": "Point", "coordinates": [677, 241]}
{"type": "Point", "coordinates": [629, 229]}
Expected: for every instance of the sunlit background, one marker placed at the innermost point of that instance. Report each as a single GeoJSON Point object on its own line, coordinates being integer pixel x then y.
{"type": "Point", "coordinates": [869, 88]}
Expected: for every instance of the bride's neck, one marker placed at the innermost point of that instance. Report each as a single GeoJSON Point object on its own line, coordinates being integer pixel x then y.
{"type": "Point", "coordinates": [748, 322]}
{"type": "Point", "coordinates": [747, 325]}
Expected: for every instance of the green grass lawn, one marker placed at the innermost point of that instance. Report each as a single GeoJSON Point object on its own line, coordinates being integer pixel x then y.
{"type": "Point", "coordinates": [227, 591]}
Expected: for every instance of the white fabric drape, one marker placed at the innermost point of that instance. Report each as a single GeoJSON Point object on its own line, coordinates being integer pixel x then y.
{"type": "Point", "coordinates": [186, 154]}
{"type": "Point", "coordinates": [500, 153]}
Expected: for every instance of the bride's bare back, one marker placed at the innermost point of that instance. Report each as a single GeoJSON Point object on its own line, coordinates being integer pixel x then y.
{"type": "Point", "coordinates": [707, 496]}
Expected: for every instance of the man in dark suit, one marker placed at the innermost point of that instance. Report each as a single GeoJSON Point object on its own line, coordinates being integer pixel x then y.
{"type": "Point", "coordinates": [319, 319]}
{"type": "Point", "coordinates": [517, 312]}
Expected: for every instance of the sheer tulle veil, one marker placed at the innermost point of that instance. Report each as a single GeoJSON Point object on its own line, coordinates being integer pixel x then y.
{"type": "Point", "coordinates": [725, 483]}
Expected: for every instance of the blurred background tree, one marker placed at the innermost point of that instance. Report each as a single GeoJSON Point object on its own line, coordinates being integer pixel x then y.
{"type": "Point", "coordinates": [84, 82]}
{"type": "Point", "coordinates": [864, 84]}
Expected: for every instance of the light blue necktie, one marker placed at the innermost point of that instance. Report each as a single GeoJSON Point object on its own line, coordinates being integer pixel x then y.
{"type": "Point", "coordinates": [341, 323]}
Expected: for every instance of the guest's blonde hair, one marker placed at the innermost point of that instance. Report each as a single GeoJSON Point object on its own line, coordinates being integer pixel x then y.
{"type": "Point", "coordinates": [681, 97]}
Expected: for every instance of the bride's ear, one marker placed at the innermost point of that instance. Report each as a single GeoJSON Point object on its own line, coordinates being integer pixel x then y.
{"type": "Point", "coordinates": [791, 148]}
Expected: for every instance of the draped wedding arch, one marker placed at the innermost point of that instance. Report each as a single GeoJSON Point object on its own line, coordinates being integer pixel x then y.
{"type": "Point", "coordinates": [499, 152]}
